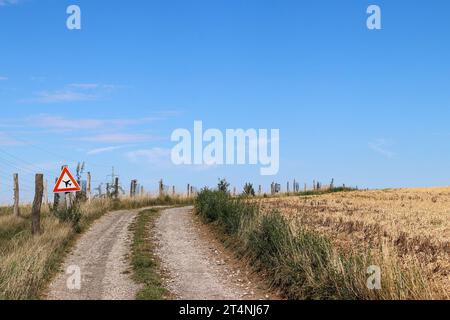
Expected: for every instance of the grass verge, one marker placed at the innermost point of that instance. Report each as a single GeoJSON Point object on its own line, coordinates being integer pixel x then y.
{"type": "Point", "coordinates": [304, 264]}
{"type": "Point", "coordinates": [146, 268]}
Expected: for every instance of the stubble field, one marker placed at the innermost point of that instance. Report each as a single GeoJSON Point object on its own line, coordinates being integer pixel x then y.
{"type": "Point", "coordinates": [402, 227]}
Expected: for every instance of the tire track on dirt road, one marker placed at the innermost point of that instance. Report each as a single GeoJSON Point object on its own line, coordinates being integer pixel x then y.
{"type": "Point", "coordinates": [197, 265]}
{"type": "Point", "coordinates": [100, 253]}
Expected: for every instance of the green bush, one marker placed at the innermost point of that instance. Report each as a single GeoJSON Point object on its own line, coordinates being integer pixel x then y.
{"type": "Point", "coordinates": [249, 191]}
{"type": "Point", "coordinates": [72, 215]}
{"type": "Point", "coordinates": [220, 207]}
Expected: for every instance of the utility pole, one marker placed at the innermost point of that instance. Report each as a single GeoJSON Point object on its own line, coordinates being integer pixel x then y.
{"type": "Point", "coordinates": [113, 177]}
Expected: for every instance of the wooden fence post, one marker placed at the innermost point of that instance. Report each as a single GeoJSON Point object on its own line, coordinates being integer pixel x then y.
{"type": "Point", "coordinates": [188, 190]}
{"type": "Point", "coordinates": [161, 188]}
{"type": "Point", "coordinates": [16, 195]}
{"type": "Point", "coordinates": [116, 188]}
{"type": "Point", "coordinates": [37, 203]}
{"type": "Point", "coordinates": [89, 187]}
{"type": "Point", "coordinates": [67, 200]}
{"type": "Point", "coordinates": [133, 188]}
{"type": "Point", "coordinates": [56, 199]}
{"type": "Point", "coordinates": [45, 196]}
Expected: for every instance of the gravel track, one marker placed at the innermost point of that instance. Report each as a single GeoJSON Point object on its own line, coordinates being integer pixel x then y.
{"type": "Point", "coordinates": [100, 253]}
{"type": "Point", "coordinates": [197, 265]}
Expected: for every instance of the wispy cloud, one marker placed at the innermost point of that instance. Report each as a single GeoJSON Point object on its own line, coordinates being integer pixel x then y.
{"type": "Point", "coordinates": [92, 86]}
{"type": "Point", "coordinates": [104, 150]}
{"type": "Point", "coordinates": [6, 140]}
{"type": "Point", "coordinates": [381, 146]}
{"type": "Point", "coordinates": [38, 78]}
{"type": "Point", "coordinates": [60, 97]}
{"type": "Point", "coordinates": [155, 156]}
{"type": "Point", "coordinates": [8, 2]}
{"type": "Point", "coordinates": [74, 92]}
{"type": "Point", "coordinates": [62, 123]}
{"type": "Point", "coordinates": [161, 158]}
{"type": "Point", "coordinates": [120, 138]}
{"type": "Point", "coordinates": [84, 85]}
{"type": "Point", "coordinates": [2, 78]}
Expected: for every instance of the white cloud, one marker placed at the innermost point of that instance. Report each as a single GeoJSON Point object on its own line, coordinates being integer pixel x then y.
{"type": "Point", "coordinates": [104, 150]}
{"type": "Point", "coordinates": [62, 123]}
{"type": "Point", "coordinates": [119, 138]}
{"type": "Point", "coordinates": [5, 140]}
{"type": "Point", "coordinates": [8, 2]}
{"type": "Point", "coordinates": [74, 92]}
{"type": "Point", "coordinates": [204, 167]}
{"type": "Point", "coordinates": [60, 97]}
{"type": "Point", "coordinates": [91, 86]}
{"type": "Point", "coordinates": [155, 156]}
{"type": "Point", "coordinates": [381, 146]}
{"type": "Point", "coordinates": [84, 85]}
{"type": "Point", "coordinates": [38, 78]}
{"type": "Point", "coordinates": [3, 78]}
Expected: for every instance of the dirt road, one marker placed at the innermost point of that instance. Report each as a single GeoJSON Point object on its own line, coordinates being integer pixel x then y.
{"type": "Point", "coordinates": [197, 265]}
{"type": "Point", "coordinates": [100, 255]}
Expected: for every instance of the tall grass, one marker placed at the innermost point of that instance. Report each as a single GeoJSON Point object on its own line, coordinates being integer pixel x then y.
{"type": "Point", "coordinates": [27, 263]}
{"type": "Point", "coordinates": [304, 264]}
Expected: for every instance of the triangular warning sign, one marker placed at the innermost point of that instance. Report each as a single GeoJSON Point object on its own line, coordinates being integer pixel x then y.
{"type": "Point", "coordinates": [66, 183]}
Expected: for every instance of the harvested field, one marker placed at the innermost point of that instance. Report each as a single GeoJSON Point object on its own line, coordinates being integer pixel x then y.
{"type": "Point", "coordinates": [409, 225]}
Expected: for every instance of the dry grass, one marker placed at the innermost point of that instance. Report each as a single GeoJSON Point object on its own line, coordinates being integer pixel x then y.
{"type": "Point", "coordinates": [27, 263]}
{"type": "Point", "coordinates": [406, 232]}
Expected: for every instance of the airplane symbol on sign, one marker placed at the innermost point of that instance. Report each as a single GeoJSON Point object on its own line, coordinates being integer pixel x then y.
{"type": "Point", "coordinates": [68, 183]}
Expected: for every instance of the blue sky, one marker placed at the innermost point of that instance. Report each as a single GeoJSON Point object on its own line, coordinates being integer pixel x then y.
{"type": "Point", "coordinates": [367, 108]}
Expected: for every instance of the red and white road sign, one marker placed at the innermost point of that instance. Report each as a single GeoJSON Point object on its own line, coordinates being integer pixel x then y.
{"type": "Point", "coordinates": [66, 183]}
